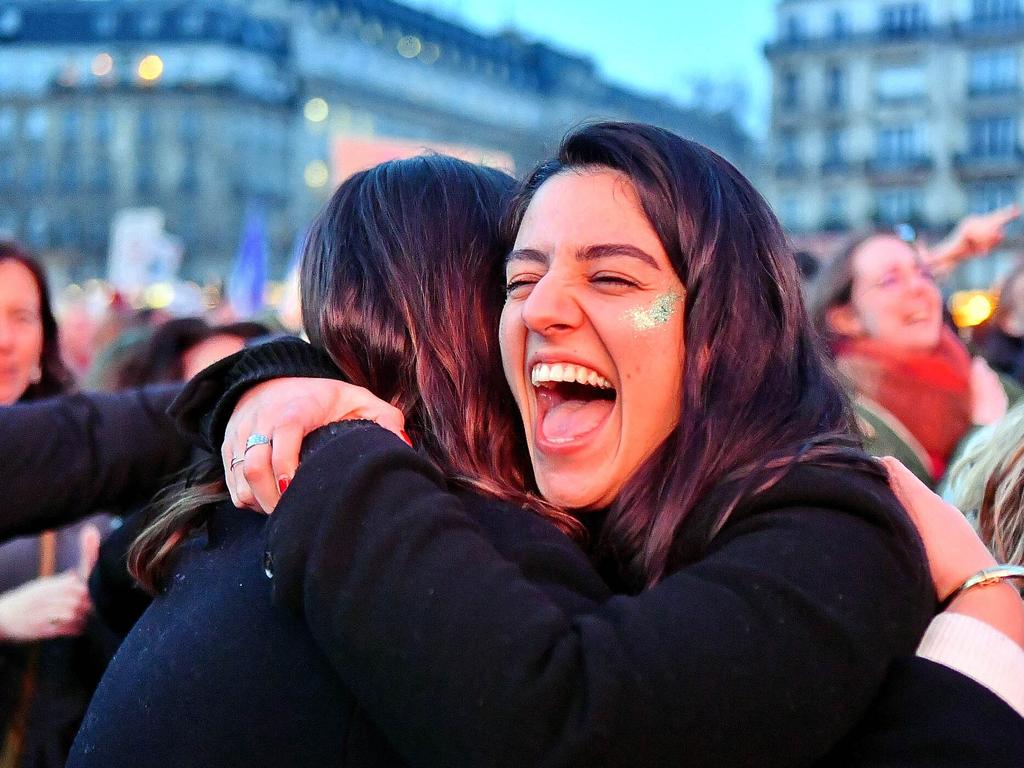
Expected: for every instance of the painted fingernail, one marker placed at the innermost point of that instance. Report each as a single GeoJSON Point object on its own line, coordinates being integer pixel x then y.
{"type": "Point", "coordinates": [405, 436]}
{"type": "Point", "coordinates": [282, 483]}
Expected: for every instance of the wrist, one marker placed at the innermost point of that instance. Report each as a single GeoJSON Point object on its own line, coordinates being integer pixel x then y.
{"type": "Point", "coordinates": [997, 604]}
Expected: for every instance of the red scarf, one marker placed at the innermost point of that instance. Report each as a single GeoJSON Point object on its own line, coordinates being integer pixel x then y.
{"type": "Point", "coordinates": [929, 392]}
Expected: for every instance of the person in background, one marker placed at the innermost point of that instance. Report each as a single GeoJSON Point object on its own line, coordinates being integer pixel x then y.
{"type": "Point", "coordinates": [917, 391]}
{"type": "Point", "coordinates": [987, 482]}
{"type": "Point", "coordinates": [179, 348]}
{"type": "Point", "coordinates": [51, 654]}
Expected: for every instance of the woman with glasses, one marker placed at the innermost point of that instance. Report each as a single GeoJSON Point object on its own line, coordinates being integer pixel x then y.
{"type": "Point", "coordinates": [917, 390]}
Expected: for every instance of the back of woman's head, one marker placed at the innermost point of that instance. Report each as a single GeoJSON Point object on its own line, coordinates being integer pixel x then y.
{"type": "Point", "coordinates": [399, 282]}
{"type": "Point", "coordinates": [54, 376]}
{"type": "Point", "coordinates": [988, 480]}
{"type": "Point", "coordinates": [756, 391]}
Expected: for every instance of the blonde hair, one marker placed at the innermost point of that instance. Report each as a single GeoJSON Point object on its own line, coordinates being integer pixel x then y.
{"type": "Point", "coordinates": [988, 479]}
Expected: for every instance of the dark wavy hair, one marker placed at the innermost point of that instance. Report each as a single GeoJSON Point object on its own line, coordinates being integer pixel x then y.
{"type": "Point", "coordinates": [160, 358]}
{"type": "Point", "coordinates": [758, 395]}
{"type": "Point", "coordinates": [400, 279]}
{"type": "Point", "coordinates": [55, 378]}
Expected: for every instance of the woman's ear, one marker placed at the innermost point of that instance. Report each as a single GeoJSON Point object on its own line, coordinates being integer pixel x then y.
{"type": "Point", "coordinates": [844, 321]}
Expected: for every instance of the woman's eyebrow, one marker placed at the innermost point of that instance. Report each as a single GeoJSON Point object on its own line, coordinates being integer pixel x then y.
{"type": "Point", "coordinates": [527, 254]}
{"type": "Point", "coordinates": [609, 250]}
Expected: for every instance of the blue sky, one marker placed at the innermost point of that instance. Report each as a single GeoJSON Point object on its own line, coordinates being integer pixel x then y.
{"type": "Point", "coordinates": [653, 45]}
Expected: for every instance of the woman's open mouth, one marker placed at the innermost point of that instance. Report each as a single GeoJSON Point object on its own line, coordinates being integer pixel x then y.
{"type": "Point", "coordinates": [572, 401]}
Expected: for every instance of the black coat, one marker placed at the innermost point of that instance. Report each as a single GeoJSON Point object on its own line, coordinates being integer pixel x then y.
{"type": "Point", "coordinates": [923, 714]}
{"type": "Point", "coordinates": [476, 634]}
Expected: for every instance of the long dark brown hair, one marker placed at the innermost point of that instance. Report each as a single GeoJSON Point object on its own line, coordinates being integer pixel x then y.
{"type": "Point", "coordinates": [758, 395]}
{"type": "Point", "coordinates": [55, 378]}
{"type": "Point", "coordinates": [400, 278]}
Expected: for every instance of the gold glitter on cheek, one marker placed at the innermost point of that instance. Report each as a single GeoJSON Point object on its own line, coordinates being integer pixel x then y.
{"type": "Point", "coordinates": [657, 314]}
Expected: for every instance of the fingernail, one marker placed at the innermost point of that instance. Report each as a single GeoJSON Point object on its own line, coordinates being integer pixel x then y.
{"type": "Point", "coordinates": [282, 483]}
{"type": "Point", "coordinates": [405, 436]}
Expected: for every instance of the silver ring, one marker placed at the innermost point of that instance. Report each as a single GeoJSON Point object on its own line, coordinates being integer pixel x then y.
{"type": "Point", "coordinates": [254, 440]}
{"type": "Point", "coordinates": [235, 461]}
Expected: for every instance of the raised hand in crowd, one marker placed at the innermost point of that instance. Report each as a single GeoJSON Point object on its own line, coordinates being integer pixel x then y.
{"type": "Point", "coordinates": [975, 235]}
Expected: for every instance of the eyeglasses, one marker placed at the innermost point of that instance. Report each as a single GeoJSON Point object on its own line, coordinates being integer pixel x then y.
{"type": "Point", "coordinates": [901, 279]}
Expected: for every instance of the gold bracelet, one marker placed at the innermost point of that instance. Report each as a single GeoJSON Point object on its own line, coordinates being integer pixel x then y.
{"type": "Point", "coordinates": [983, 578]}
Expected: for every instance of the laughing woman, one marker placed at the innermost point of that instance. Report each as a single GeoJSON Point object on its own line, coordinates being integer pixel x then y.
{"type": "Point", "coordinates": [766, 577]}
{"type": "Point", "coordinates": [917, 392]}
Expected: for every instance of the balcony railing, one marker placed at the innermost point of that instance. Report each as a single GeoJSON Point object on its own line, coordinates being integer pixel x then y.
{"type": "Point", "coordinates": [999, 90]}
{"type": "Point", "coordinates": [973, 165]}
{"type": "Point", "coordinates": [834, 166]}
{"type": "Point", "coordinates": [789, 169]}
{"type": "Point", "coordinates": [897, 169]}
{"type": "Point", "coordinates": [1004, 27]}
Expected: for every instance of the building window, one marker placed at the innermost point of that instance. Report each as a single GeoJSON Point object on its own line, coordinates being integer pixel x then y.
{"type": "Point", "coordinates": [992, 136]}
{"type": "Point", "coordinates": [988, 196]}
{"type": "Point", "coordinates": [8, 122]}
{"type": "Point", "coordinates": [101, 174]}
{"type": "Point", "coordinates": [900, 143]}
{"type": "Point", "coordinates": [833, 156]}
{"type": "Point", "coordinates": [835, 87]}
{"type": "Point", "coordinates": [903, 19]}
{"type": "Point", "coordinates": [901, 83]}
{"type": "Point", "coordinates": [835, 211]}
{"type": "Point", "coordinates": [899, 205]}
{"type": "Point", "coordinates": [147, 126]}
{"type": "Point", "coordinates": [995, 10]}
{"type": "Point", "coordinates": [6, 171]}
{"type": "Point", "coordinates": [794, 29]}
{"type": "Point", "coordinates": [104, 126]}
{"type": "Point", "coordinates": [37, 123]}
{"type": "Point", "coordinates": [38, 229]}
{"type": "Point", "coordinates": [993, 71]}
{"type": "Point", "coordinates": [791, 212]}
{"type": "Point", "coordinates": [788, 153]}
{"type": "Point", "coordinates": [35, 174]}
{"type": "Point", "coordinates": [840, 25]}
{"type": "Point", "coordinates": [68, 175]}
{"type": "Point", "coordinates": [790, 95]}
{"type": "Point", "coordinates": [71, 126]}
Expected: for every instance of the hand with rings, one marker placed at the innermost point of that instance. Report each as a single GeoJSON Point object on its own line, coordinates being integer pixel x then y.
{"type": "Point", "coordinates": [263, 438]}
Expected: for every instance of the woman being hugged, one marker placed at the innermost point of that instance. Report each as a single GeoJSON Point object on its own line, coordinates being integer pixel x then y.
{"type": "Point", "coordinates": [675, 404]}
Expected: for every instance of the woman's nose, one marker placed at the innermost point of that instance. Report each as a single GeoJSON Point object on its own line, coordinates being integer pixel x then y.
{"type": "Point", "coordinates": [551, 306]}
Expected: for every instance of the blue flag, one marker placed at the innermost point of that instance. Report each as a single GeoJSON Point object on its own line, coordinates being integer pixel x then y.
{"type": "Point", "coordinates": [249, 274]}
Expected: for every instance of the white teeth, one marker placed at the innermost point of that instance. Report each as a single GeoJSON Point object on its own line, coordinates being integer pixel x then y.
{"type": "Point", "coordinates": [542, 373]}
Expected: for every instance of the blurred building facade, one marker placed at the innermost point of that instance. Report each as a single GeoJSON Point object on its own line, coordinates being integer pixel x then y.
{"type": "Point", "coordinates": [206, 109]}
{"type": "Point", "coordinates": [887, 112]}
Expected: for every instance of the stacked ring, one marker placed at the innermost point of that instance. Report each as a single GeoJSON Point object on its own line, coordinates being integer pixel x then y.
{"type": "Point", "coordinates": [236, 460]}
{"type": "Point", "coordinates": [254, 440]}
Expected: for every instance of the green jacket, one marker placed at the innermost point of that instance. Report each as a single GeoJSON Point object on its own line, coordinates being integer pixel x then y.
{"type": "Point", "coordinates": [885, 435]}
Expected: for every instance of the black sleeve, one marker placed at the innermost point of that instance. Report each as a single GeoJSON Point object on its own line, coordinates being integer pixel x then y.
{"type": "Point", "coordinates": [205, 405]}
{"type": "Point", "coordinates": [930, 716]}
{"type": "Point", "coordinates": [764, 653]}
{"type": "Point", "coordinates": [66, 457]}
